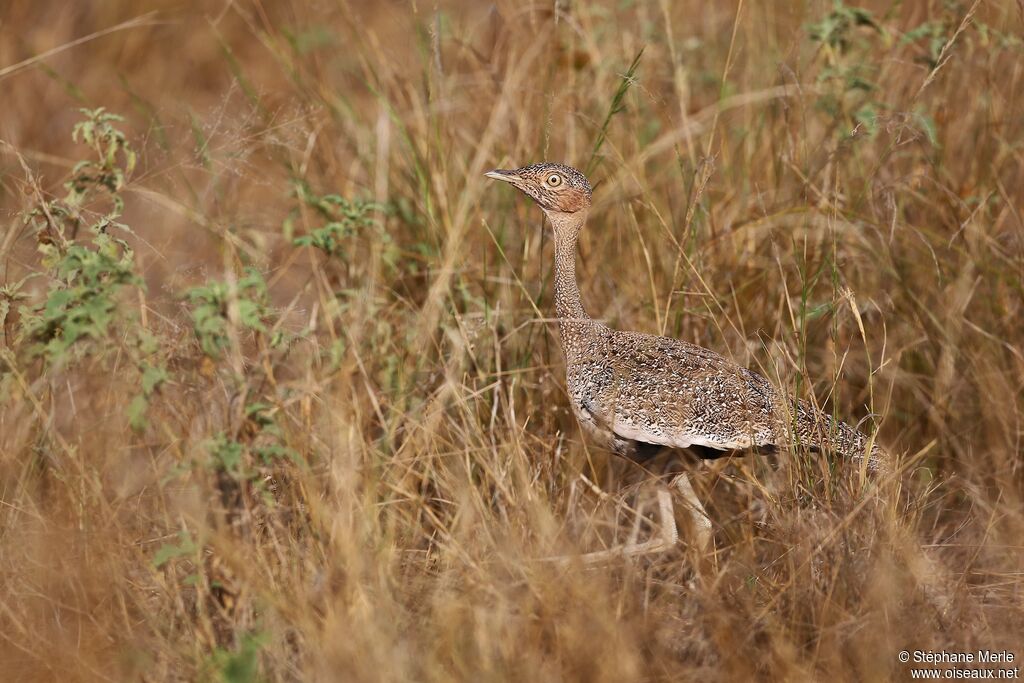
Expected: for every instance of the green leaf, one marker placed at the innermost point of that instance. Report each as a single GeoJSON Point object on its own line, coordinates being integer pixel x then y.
{"type": "Point", "coordinates": [242, 665]}
{"type": "Point", "coordinates": [226, 454]}
{"type": "Point", "coordinates": [927, 125]}
{"type": "Point", "coordinates": [835, 27]}
{"type": "Point", "coordinates": [867, 117]}
{"type": "Point", "coordinates": [152, 377]}
{"type": "Point", "coordinates": [167, 552]}
{"type": "Point", "coordinates": [137, 412]}
{"type": "Point", "coordinates": [250, 313]}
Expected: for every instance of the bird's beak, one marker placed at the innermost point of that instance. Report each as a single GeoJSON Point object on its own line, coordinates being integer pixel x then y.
{"type": "Point", "coordinates": [501, 174]}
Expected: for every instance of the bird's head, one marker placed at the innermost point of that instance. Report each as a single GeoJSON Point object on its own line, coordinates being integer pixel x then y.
{"type": "Point", "coordinates": [556, 188]}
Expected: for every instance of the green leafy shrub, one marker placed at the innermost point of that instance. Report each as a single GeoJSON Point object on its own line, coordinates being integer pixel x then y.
{"type": "Point", "coordinates": [835, 28]}
{"type": "Point", "coordinates": [83, 300]}
{"type": "Point", "coordinates": [260, 445]}
{"type": "Point", "coordinates": [343, 219]}
{"type": "Point", "coordinates": [211, 309]}
{"type": "Point", "coordinates": [847, 78]}
{"type": "Point", "coordinates": [86, 306]}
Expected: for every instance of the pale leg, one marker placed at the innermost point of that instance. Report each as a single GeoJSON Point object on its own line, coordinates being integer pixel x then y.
{"type": "Point", "coordinates": [668, 535]}
{"type": "Point", "coordinates": [667, 538]}
{"type": "Point", "coordinates": [698, 516]}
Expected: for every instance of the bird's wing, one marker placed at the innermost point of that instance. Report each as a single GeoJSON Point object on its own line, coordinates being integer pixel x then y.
{"type": "Point", "coordinates": [673, 393]}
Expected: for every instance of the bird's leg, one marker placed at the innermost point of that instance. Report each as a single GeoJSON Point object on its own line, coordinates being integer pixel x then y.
{"type": "Point", "coordinates": [668, 534]}
{"type": "Point", "coordinates": [667, 519]}
{"type": "Point", "coordinates": [666, 540]}
{"type": "Point", "coordinates": [698, 516]}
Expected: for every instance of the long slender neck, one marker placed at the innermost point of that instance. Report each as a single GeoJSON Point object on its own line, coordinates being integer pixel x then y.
{"type": "Point", "coordinates": [567, 293]}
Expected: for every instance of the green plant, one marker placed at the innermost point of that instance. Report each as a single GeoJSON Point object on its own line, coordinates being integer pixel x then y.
{"type": "Point", "coordinates": [240, 665]}
{"type": "Point", "coordinates": [86, 277]}
{"type": "Point", "coordinates": [226, 455]}
{"type": "Point", "coordinates": [935, 35]}
{"type": "Point", "coordinates": [83, 301]}
{"type": "Point", "coordinates": [211, 306]}
{"type": "Point", "coordinates": [114, 161]}
{"type": "Point", "coordinates": [835, 29]}
{"type": "Point", "coordinates": [847, 79]}
{"type": "Point", "coordinates": [85, 306]}
{"type": "Point", "coordinates": [260, 444]}
{"type": "Point", "coordinates": [184, 547]}
{"type": "Point", "coordinates": [343, 219]}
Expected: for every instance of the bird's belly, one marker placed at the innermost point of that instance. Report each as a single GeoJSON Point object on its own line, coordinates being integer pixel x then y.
{"type": "Point", "coordinates": [621, 427]}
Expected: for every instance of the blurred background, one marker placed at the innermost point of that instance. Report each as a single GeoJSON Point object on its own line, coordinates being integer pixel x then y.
{"type": "Point", "coordinates": [280, 393]}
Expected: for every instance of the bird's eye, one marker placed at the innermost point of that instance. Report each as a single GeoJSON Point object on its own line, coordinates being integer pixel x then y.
{"type": "Point", "coordinates": [554, 180]}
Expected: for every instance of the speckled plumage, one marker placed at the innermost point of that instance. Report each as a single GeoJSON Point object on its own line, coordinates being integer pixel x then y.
{"type": "Point", "coordinates": [631, 391]}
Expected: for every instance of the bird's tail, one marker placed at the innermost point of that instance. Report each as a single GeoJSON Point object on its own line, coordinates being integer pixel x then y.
{"type": "Point", "coordinates": [820, 431]}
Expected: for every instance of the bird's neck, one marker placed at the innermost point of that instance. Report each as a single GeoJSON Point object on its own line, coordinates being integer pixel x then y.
{"type": "Point", "coordinates": [567, 292]}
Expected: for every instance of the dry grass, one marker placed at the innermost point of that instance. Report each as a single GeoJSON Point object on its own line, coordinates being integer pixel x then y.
{"type": "Point", "coordinates": [864, 247]}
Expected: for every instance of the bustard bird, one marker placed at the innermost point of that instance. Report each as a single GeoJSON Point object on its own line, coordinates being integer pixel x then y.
{"type": "Point", "coordinates": [639, 393]}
